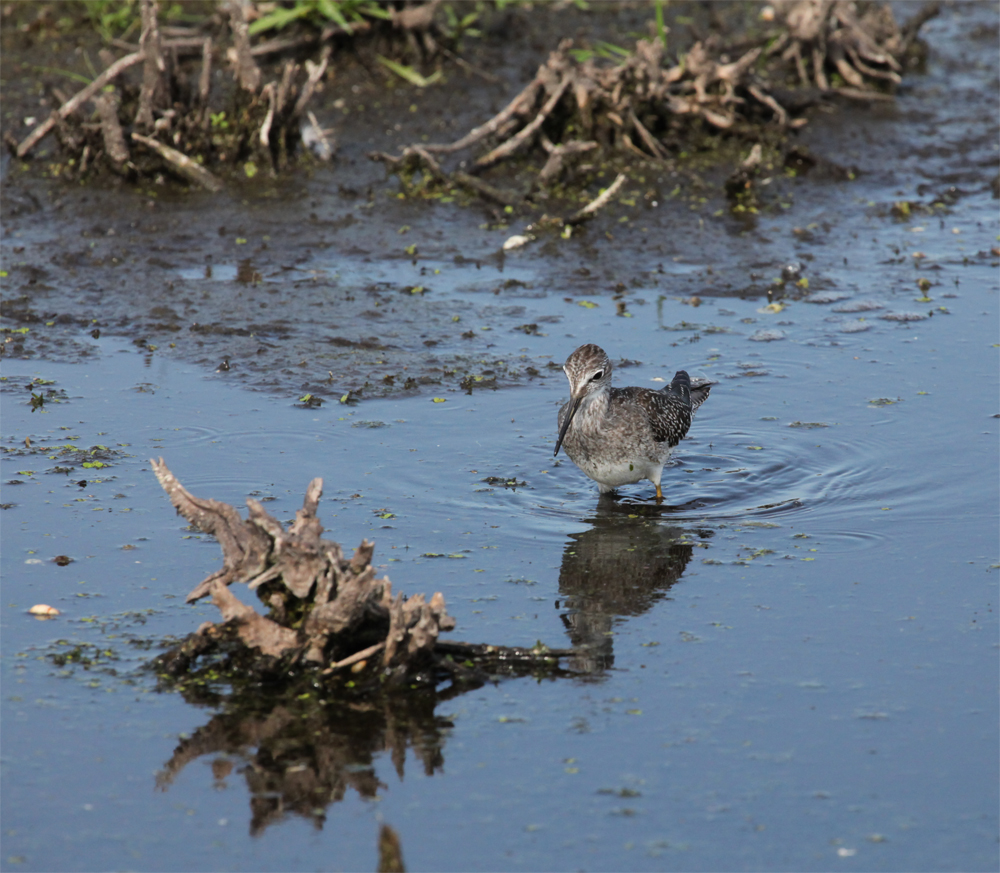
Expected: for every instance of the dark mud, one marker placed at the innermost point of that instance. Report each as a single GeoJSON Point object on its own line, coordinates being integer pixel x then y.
{"type": "Point", "coordinates": [794, 655]}
{"type": "Point", "coordinates": [335, 285]}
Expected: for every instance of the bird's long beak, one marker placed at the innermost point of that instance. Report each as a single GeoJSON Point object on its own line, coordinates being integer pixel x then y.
{"type": "Point", "coordinates": [565, 427]}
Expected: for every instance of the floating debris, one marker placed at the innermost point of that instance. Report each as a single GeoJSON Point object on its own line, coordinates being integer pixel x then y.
{"type": "Point", "coordinates": [884, 401]}
{"type": "Point", "coordinates": [516, 241]}
{"type": "Point", "coordinates": [858, 306]}
{"type": "Point", "coordinates": [829, 297]}
{"type": "Point", "coordinates": [904, 316]}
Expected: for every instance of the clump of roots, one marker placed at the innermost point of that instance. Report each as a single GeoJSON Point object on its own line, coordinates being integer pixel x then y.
{"type": "Point", "coordinates": [646, 104]}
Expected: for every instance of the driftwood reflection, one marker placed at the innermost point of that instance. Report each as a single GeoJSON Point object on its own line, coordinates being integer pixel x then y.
{"type": "Point", "coordinates": [301, 754]}
{"type": "Point", "coordinates": [302, 745]}
{"type": "Point", "coordinates": [626, 562]}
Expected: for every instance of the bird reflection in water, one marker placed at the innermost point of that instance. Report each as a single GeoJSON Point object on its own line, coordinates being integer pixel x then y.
{"type": "Point", "coordinates": [620, 567]}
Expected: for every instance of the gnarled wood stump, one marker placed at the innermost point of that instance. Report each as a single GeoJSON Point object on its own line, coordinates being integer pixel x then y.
{"type": "Point", "coordinates": [325, 610]}
{"type": "Point", "coordinates": [322, 605]}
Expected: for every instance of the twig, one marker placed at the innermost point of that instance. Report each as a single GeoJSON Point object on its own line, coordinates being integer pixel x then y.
{"type": "Point", "coordinates": [598, 202]}
{"type": "Point", "coordinates": [189, 45]}
{"type": "Point", "coordinates": [321, 145]}
{"type": "Point", "coordinates": [487, 190]}
{"type": "Point", "coordinates": [772, 104]}
{"type": "Point", "coordinates": [417, 156]}
{"type": "Point", "coordinates": [182, 163]}
{"type": "Point", "coordinates": [81, 96]}
{"type": "Point", "coordinates": [647, 137]}
{"type": "Point", "coordinates": [316, 72]}
{"type": "Point", "coordinates": [153, 65]}
{"type": "Point", "coordinates": [205, 79]}
{"type": "Point", "coordinates": [247, 71]}
{"type": "Point", "coordinates": [518, 104]}
{"type": "Point", "coordinates": [507, 148]}
{"type": "Point", "coordinates": [111, 129]}
{"type": "Point", "coordinates": [265, 128]}
{"type": "Point", "coordinates": [357, 656]}
{"type": "Point", "coordinates": [557, 157]}
{"type": "Point", "coordinates": [856, 94]}
{"type": "Point", "coordinates": [282, 44]}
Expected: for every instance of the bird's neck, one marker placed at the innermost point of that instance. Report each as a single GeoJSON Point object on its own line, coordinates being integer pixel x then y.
{"type": "Point", "coordinates": [593, 408]}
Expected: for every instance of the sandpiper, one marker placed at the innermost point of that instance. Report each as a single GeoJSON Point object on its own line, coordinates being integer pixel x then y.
{"type": "Point", "coordinates": [618, 436]}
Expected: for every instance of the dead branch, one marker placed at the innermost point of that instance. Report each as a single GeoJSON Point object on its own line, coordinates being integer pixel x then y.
{"type": "Point", "coordinates": [315, 72]}
{"type": "Point", "coordinates": [557, 158]}
{"type": "Point", "coordinates": [342, 599]}
{"type": "Point", "coordinates": [153, 68]}
{"type": "Point", "coordinates": [516, 106]}
{"type": "Point", "coordinates": [182, 163]}
{"type": "Point", "coordinates": [247, 72]}
{"type": "Point", "coordinates": [77, 100]}
{"type": "Point", "coordinates": [205, 79]}
{"type": "Point", "coordinates": [522, 137]}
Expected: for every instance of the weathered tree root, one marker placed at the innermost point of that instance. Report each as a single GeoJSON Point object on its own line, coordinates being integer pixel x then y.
{"type": "Point", "coordinates": [262, 123]}
{"type": "Point", "coordinates": [169, 110]}
{"type": "Point", "coordinates": [325, 611]}
{"type": "Point", "coordinates": [643, 105]}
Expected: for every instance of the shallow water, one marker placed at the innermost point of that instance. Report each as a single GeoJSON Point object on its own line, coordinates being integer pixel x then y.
{"type": "Point", "coordinates": [793, 660]}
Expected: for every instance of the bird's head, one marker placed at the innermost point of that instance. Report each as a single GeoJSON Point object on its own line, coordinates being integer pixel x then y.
{"type": "Point", "coordinates": [589, 372]}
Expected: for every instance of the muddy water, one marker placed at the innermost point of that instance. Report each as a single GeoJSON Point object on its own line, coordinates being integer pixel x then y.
{"type": "Point", "coordinates": [792, 662]}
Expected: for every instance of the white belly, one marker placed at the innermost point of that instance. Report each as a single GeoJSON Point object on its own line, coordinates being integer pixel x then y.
{"type": "Point", "coordinates": [612, 474]}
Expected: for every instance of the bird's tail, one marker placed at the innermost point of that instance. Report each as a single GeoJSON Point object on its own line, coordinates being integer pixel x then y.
{"type": "Point", "coordinates": [690, 394]}
{"type": "Point", "coordinates": [680, 388]}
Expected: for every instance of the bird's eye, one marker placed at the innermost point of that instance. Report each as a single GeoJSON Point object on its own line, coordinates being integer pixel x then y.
{"type": "Point", "coordinates": [598, 375]}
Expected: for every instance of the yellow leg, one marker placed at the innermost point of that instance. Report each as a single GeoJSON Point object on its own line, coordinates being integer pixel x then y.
{"type": "Point", "coordinates": [659, 493]}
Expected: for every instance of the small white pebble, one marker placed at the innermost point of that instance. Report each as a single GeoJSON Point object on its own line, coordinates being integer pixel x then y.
{"type": "Point", "coordinates": [516, 241]}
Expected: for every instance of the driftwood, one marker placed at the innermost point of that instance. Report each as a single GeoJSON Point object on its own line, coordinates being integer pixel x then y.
{"type": "Point", "coordinates": [645, 104]}
{"type": "Point", "coordinates": [326, 611]}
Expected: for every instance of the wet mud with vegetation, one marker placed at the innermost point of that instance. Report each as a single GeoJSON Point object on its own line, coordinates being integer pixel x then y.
{"type": "Point", "coordinates": [304, 312]}
{"type": "Point", "coordinates": [786, 665]}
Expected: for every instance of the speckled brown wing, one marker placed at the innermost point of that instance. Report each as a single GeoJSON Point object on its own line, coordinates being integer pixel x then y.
{"type": "Point", "coordinates": [668, 415]}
